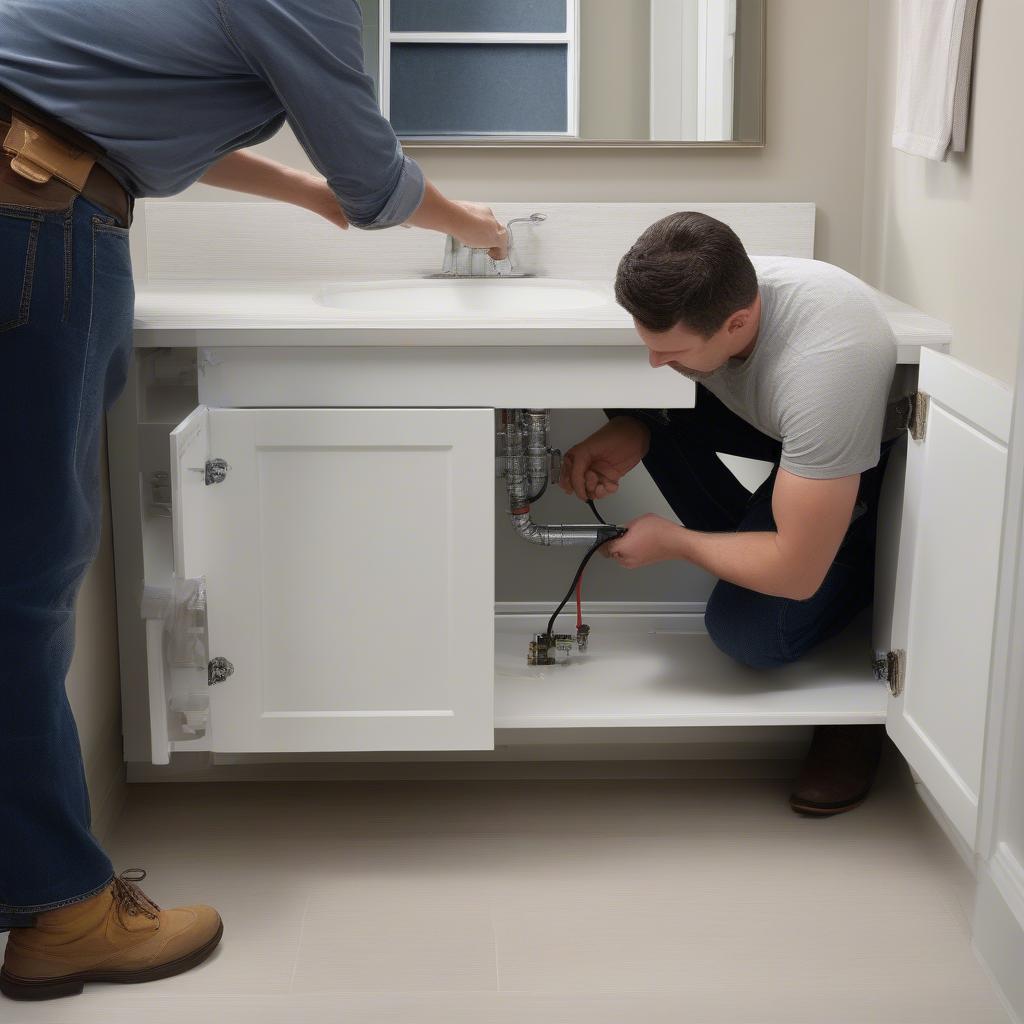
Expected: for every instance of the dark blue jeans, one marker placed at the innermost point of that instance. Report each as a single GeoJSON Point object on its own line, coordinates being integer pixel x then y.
{"type": "Point", "coordinates": [756, 629]}
{"type": "Point", "coordinates": [66, 299]}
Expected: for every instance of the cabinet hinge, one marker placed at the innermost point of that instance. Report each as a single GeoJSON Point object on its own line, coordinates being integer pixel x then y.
{"type": "Point", "coordinates": [216, 471]}
{"type": "Point", "coordinates": [218, 670]}
{"type": "Point", "coordinates": [892, 667]}
{"type": "Point", "coordinates": [918, 425]}
{"type": "Point", "coordinates": [909, 413]}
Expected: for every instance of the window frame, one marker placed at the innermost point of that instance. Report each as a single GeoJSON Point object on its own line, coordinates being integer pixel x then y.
{"type": "Point", "coordinates": [569, 39]}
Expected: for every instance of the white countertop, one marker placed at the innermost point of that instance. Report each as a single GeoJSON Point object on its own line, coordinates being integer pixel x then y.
{"type": "Point", "coordinates": [293, 306]}
{"type": "Point", "coordinates": [232, 314]}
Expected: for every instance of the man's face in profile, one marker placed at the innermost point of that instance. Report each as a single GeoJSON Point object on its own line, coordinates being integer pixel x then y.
{"type": "Point", "coordinates": [686, 351]}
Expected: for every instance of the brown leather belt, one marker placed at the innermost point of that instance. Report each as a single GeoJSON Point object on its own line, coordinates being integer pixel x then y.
{"type": "Point", "coordinates": [45, 165]}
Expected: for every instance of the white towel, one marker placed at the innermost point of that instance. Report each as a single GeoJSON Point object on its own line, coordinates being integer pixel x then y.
{"type": "Point", "coordinates": [929, 53]}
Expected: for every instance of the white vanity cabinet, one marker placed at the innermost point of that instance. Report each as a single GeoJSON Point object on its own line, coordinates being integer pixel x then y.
{"type": "Point", "coordinates": [347, 563]}
{"type": "Point", "coordinates": [314, 549]}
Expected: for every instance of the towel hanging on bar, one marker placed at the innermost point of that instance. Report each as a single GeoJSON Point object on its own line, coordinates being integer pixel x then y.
{"type": "Point", "coordinates": [934, 57]}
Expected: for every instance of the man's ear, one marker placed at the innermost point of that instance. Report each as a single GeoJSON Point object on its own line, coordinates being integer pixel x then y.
{"type": "Point", "coordinates": [739, 320]}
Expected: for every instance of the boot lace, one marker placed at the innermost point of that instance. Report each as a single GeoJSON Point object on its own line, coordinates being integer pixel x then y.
{"type": "Point", "coordinates": [130, 899]}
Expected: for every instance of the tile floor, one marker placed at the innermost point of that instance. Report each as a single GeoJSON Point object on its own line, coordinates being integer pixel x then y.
{"type": "Point", "coordinates": [548, 903]}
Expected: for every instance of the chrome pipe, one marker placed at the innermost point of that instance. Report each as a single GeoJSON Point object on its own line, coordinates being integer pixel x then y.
{"type": "Point", "coordinates": [527, 468]}
{"type": "Point", "coordinates": [537, 452]}
{"type": "Point", "coordinates": [560, 534]}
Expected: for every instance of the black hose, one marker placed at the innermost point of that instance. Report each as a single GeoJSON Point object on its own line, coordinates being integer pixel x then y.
{"type": "Point", "coordinates": [583, 564]}
{"type": "Point", "coordinates": [579, 572]}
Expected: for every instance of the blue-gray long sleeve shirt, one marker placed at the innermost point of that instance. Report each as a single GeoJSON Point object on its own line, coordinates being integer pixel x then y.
{"type": "Point", "coordinates": [168, 87]}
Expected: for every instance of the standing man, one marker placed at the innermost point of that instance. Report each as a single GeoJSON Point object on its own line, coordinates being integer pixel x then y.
{"type": "Point", "coordinates": [103, 101]}
{"type": "Point", "coordinates": [794, 362]}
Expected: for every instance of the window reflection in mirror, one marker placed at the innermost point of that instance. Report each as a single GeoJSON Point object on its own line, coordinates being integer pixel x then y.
{"type": "Point", "coordinates": [554, 71]}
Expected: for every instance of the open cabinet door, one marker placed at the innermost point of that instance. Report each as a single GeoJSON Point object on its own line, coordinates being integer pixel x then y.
{"type": "Point", "coordinates": [348, 557]}
{"type": "Point", "coordinates": [190, 452]}
{"type": "Point", "coordinates": [944, 600]}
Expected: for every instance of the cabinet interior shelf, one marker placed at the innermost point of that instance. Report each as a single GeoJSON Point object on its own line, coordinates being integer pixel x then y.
{"type": "Point", "coordinates": [664, 670]}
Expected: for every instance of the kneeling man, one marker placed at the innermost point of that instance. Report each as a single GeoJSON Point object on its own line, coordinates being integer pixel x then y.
{"type": "Point", "coordinates": [794, 362]}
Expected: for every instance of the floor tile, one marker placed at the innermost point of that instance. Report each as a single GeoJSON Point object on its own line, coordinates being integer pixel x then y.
{"type": "Point", "coordinates": [398, 933]}
{"type": "Point", "coordinates": [548, 903]}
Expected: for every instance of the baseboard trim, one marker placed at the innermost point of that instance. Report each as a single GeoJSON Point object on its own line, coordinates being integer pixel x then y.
{"type": "Point", "coordinates": [998, 928]}
{"type": "Point", "coordinates": [956, 840]}
{"type": "Point", "coordinates": [197, 768]}
{"type": "Point", "coordinates": [1008, 875]}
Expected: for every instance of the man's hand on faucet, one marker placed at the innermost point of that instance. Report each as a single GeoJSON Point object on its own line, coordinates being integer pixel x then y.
{"type": "Point", "coordinates": [484, 231]}
{"type": "Point", "coordinates": [473, 224]}
{"type": "Point", "coordinates": [593, 468]}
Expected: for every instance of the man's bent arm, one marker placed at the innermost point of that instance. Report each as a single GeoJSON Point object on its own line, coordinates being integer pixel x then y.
{"type": "Point", "coordinates": [811, 517]}
{"type": "Point", "coordinates": [245, 171]}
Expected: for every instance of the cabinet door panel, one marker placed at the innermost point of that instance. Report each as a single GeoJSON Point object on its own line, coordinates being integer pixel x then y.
{"type": "Point", "coordinates": [350, 579]}
{"type": "Point", "coordinates": [944, 605]}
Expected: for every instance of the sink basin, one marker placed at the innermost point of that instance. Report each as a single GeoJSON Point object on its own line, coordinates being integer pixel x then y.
{"type": "Point", "coordinates": [485, 298]}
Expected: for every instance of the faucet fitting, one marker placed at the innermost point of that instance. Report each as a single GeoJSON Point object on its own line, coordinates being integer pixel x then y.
{"type": "Point", "coordinates": [465, 261]}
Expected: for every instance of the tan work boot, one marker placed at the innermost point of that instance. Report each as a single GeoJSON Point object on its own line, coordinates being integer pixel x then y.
{"type": "Point", "coordinates": [120, 935]}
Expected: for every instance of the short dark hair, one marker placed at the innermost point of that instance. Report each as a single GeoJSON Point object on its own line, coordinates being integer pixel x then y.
{"type": "Point", "coordinates": [687, 269]}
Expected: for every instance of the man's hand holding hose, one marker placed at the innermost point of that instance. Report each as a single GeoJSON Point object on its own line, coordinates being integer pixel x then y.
{"type": "Point", "coordinates": [592, 470]}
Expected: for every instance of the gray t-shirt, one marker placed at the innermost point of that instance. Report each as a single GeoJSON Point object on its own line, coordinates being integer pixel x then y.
{"type": "Point", "coordinates": [168, 87]}
{"type": "Point", "coordinates": [819, 377]}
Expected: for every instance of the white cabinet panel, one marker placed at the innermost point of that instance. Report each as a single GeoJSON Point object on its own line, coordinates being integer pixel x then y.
{"type": "Point", "coordinates": [944, 601]}
{"type": "Point", "coordinates": [348, 556]}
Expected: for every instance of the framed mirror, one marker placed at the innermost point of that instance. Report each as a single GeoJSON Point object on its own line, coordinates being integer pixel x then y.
{"type": "Point", "coordinates": [569, 72]}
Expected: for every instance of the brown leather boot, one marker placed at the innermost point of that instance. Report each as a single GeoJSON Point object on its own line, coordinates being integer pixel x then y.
{"type": "Point", "coordinates": [120, 935]}
{"type": "Point", "coordinates": [838, 770]}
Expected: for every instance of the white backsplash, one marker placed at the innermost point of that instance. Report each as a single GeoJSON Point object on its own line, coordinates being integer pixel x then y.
{"type": "Point", "coordinates": [260, 241]}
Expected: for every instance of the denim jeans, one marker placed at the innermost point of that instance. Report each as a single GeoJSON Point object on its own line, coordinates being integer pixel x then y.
{"type": "Point", "coordinates": [66, 299]}
{"type": "Point", "coordinates": [756, 629]}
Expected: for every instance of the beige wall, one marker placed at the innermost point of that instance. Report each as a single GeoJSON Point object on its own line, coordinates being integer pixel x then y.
{"type": "Point", "coordinates": [815, 131]}
{"type": "Point", "coordinates": [949, 237]}
{"type": "Point", "coordinates": [93, 684]}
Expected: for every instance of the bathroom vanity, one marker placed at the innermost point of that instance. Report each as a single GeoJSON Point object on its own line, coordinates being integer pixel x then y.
{"type": "Point", "coordinates": [303, 475]}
